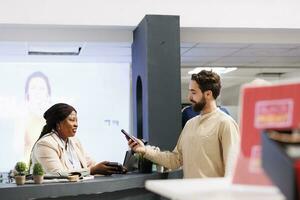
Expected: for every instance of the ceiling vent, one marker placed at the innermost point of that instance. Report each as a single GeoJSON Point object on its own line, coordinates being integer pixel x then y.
{"type": "Point", "coordinates": [54, 51]}
{"type": "Point", "coordinates": [270, 74]}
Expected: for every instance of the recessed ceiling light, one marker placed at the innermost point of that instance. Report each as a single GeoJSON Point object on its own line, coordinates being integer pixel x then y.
{"type": "Point", "coordinates": [218, 70]}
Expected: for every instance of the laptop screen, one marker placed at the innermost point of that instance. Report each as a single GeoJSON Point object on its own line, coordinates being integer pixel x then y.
{"type": "Point", "coordinates": [130, 161]}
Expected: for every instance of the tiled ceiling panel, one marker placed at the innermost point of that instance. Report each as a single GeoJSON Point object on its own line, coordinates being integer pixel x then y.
{"type": "Point", "coordinates": [100, 50]}
{"type": "Point", "coordinates": [187, 44]}
{"type": "Point", "coordinates": [293, 52]}
{"type": "Point", "coordinates": [283, 61]}
{"type": "Point", "coordinates": [273, 46]}
{"type": "Point", "coordinates": [198, 59]}
{"type": "Point", "coordinates": [235, 61]}
{"type": "Point", "coordinates": [256, 52]}
{"type": "Point", "coordinates": [223, 45]}
{"type": "Point", "coordinates": [210, 51]}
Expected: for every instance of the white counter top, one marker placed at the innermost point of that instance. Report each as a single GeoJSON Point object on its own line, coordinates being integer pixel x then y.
{"type": "Point", "coordinates": [211, 188]}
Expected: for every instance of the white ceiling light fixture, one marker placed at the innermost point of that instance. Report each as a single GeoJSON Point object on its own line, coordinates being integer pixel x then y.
{"type": "Point", "coordinates": [218, 70]}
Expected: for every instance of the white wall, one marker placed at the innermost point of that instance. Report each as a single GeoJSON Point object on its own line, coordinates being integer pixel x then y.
{"type": "Point", "coordinates": [103, 109]}
{"type": "Point", "coordinates": [194, 13]}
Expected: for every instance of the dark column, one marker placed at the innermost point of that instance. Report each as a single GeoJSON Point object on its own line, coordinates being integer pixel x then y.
{"type": "Point", "coordinates": [156, 80]}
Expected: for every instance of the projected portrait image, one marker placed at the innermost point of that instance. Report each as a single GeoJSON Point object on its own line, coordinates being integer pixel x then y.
{"type": "Point", "coordinates": [37, 100]}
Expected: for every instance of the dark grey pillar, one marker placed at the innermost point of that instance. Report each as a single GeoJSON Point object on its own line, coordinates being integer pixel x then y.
{"type": "Point", "coordinates": [156, 80]}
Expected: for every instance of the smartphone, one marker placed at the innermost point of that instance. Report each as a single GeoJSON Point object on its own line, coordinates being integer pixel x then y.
{"type": "Point", "coordinates": [115, 164]}
{"type": "Point", "coordinates": [120, 169]}
{"type": "Point", "coordinates": [128, 136]}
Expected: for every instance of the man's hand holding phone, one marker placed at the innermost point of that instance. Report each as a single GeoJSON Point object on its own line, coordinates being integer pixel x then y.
{"type": "Point", "coordinates": [137, 146]}
{"type": "Point", "coordinates": [134, 143]}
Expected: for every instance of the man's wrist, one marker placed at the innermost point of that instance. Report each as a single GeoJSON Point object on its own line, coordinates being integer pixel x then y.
{"type": "Point", "coordinates": [143, 152]}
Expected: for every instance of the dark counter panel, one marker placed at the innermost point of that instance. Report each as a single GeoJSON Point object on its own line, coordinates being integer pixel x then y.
{"type": "Point", "coordinates": [128, 186]}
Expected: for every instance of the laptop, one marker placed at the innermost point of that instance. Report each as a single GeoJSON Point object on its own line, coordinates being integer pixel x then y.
{"type": "Point", "coordinates": [130, 161]}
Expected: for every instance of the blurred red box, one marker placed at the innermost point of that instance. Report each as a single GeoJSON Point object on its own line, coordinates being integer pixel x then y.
{"type": "Point", "coordinates": [263, 108]}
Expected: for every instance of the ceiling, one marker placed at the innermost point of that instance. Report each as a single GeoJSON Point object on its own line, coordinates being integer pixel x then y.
{"type": "Point", "coordinates": [266, 61]}
{"type": "Point", "coordinates": [271, 54]}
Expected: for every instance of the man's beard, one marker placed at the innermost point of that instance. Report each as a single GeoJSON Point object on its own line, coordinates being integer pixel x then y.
{"type": "Point", "coordinates": [198, 106]}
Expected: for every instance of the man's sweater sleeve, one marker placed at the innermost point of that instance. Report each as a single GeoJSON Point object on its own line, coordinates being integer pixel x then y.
{"type": "Point", "coordinates": [171, 160]}
{"type": "Point", "coordinates": [230, 140]}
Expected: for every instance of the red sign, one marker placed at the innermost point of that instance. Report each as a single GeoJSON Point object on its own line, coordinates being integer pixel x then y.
{"type": "Point", "coordinates": [273, 113]}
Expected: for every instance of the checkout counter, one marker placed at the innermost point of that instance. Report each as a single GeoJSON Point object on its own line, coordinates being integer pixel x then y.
{"type": "Point", "coordinates": [116, 186]}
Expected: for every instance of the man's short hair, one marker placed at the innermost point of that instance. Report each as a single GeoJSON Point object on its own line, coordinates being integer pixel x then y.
{"type": "Point", "coordinates": [208, 80]}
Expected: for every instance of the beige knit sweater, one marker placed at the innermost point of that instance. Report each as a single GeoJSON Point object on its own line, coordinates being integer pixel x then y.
{"type": "Point", "coordinates": [207, 147]}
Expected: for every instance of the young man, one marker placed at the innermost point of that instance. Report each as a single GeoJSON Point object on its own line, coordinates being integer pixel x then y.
{"type": "Point", "coordinates": [188, 113]}
{"type": "Point", "coordinates": [208, 144]}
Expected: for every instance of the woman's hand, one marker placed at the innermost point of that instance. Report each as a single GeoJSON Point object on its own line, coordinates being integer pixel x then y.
{"type": "Point", "coordinates": [102, 168]}
{"type": "Point", "coordinates": [137, 146]}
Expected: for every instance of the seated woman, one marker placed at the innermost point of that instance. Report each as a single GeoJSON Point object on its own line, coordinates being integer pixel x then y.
{"type": "Point", "coordinates": [58, 151]}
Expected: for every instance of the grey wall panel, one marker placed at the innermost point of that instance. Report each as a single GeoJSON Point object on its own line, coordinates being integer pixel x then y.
{"type": "Point", "coordinates": [156, 80]}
